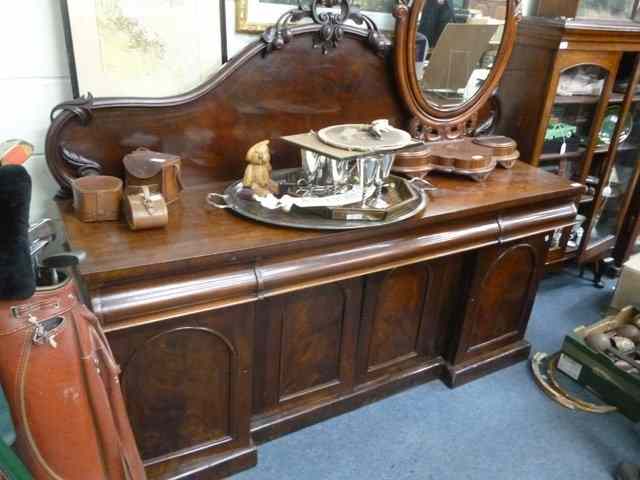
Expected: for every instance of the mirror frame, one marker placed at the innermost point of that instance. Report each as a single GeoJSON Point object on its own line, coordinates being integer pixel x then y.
{"type": "Point", "coordinates": [431, 122]}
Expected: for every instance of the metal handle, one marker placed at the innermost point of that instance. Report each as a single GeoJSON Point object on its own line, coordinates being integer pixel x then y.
{"type": "Point", "coordinates": [212, 200]}
{"type": "Point", "coordinates": [426, 185]}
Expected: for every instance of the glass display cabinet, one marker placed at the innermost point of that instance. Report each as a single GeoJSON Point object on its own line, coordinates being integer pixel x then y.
{"type": "Point", "coordinates": [609, 10]}
{"type": "Point", "coordinates": [570, 98]}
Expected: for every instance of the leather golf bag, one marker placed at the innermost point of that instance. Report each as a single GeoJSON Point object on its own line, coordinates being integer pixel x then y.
{"type": "Point", "coordinates": [61, 381]}
{"type": "Point", "coordinates": [56, 368]}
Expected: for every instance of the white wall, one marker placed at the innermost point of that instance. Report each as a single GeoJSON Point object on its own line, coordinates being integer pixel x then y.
{"type": "Point", "coordinates": [33, 78]}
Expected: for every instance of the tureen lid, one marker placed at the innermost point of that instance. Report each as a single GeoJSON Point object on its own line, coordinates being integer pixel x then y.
{"type": "Point", "coordinates": [375, 137]}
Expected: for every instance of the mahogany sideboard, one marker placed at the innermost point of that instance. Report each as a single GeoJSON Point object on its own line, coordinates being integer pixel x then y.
{"type": "Point", "coordinates": [229, 331]}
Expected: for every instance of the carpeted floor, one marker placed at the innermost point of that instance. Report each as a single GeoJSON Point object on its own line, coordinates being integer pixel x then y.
{"type": "Point", "coordinates": [500, 427]}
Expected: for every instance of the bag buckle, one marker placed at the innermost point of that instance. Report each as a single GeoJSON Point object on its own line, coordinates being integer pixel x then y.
{"type": "Point", "coordinates": [46, 331]}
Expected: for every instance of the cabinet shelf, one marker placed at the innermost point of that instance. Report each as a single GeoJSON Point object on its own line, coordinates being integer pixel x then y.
{"type": "Point", "coordinates": [591, 99]}
{"type": "Point", "coordinates": [558, 156]}
{"type": "Point", "coordinates": [577, 99]}
{"type": "Point", "coordinates": [619, 98]}
{"type": "Point", "coordinates": [623, 147]}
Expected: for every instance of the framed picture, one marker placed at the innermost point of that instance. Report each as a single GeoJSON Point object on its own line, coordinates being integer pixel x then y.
{"type": "Point", "coordinates": [143, 48]}
{"type": "Point", "coordinates": [254, 16]}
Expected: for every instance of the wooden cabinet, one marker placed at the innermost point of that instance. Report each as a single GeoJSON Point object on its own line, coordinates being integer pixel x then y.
{"type": "Point", "coordinates": [187, 386]}
{"type": "Point", "coordinates": [306, 346]}
{"type": "Point", "coordinates": [200, 387]}
{"type": "Point", "coordinates": [504, 281]}
{"type": "Point", "coordinates": [405, 318]}
{"type": "Point", "coordinates": [607, 10]}
{"type": "Point", "coordinates": [569, 97]}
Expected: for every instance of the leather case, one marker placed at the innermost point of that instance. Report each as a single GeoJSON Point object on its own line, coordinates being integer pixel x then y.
{"type": "Point", "coordinates": [145, 207]}
{"type": "Point", "coordinates": [146, 167]}
{"type": "Point", "coordinates": [97, 198]}
{"type": "Point", "coordinates": [61, 381]}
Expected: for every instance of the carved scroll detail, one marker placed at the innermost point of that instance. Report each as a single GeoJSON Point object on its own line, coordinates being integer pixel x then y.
{"type": "Point", "coordinates": [332, 25]}
{"type": "Point", "coordinates": [80, 107]}
{"type": "Point", "coordinates": [432, 133]}
{"type": "Point", "coordinates": [84, 166]}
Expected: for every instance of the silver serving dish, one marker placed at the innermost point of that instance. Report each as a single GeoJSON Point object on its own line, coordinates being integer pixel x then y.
{"type": "Point", "coordinates": [405, 200]}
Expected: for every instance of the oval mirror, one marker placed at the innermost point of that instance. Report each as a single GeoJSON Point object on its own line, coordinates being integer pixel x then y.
{"type": "Point", "coordinates": [450, 54]}
{"type": "Point", "coordinates": [457, 43]}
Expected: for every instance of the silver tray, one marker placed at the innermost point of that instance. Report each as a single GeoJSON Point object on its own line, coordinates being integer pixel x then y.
{"type": "Point", "coordinates": [235, 199]}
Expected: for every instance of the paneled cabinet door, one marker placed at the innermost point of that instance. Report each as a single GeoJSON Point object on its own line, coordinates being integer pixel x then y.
{"type": "Point", "coordinates": [187, 385]}
{"type": "Point", "coordinates": [405, 316]}
{"type": "Point", "coordinates": [305, 344]}
{"type": "Point", "coordinates": [503, 288]}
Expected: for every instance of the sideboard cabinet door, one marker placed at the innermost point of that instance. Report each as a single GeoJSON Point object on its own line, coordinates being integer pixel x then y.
{"type": "Point", "coordinates": [305, 343]}
{"type": "Point", "coordinates": [406, 316]}
{"type": "Point", "coordinates": [503, 287]}
{"type": "Point", "coordinates": [187, 385]}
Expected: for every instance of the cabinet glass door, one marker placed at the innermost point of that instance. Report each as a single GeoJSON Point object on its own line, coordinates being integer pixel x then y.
{"type": "Point", "coordinates": [578, 100]}
{"type": "Point", "coordinates": [615, 194]}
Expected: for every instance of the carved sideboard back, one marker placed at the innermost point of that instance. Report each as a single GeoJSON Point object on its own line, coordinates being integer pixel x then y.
{"type": "Point", "coordinates": [257, 95]}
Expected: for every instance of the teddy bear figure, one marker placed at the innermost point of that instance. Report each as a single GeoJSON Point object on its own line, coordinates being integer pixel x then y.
{"type": "Point", "coordinates": [257, 175]}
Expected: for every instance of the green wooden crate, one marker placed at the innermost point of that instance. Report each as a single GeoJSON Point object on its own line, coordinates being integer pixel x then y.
{"type": "Point", "coordinates": [597, 372]}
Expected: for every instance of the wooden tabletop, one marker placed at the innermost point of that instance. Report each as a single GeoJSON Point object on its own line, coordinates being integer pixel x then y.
{"type": "Point", "coordinates": [196, 234]}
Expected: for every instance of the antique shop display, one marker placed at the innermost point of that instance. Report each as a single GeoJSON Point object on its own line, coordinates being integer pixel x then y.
{"type": "Point", "coordinates": [546, 376]}
{"type": "Point", "coordinates": [504, 150]}
{"type": "Point", "coordinates": [474, 157]}
{"type": "Point", "coordinates": [257, 175]}
{"type": "Point", "coordinates": [605, 357]}
{"type": "Point", "coordinates": [607, 10]}
{"type": "Point", "coordinates": [15, 152]}
{"type": "Point", "coordinates": [96, 198]}
{"type": "Point", "coordinates": [331, 211]}
{"type": "Point", "coordinates": [581, 80]}
{"type": "Point", "coordinates": [232, 332]}
{"type": "Point", "coordinates": [145, 207]}
{"type": "Point", "coordinates": [146, 167]}
{"type": "Point", "coordinates": [586, 136]}
{"type": "Point", "coordinates": [142, 49]}
{"type": "Point", "coordinates": [561, 137]}
{"type": "Point", "coordinates": [344, 177]}
{"type": "Point", "coordinates": [464, 157]}
{"type": "Point", "coordinates": [609, 123]}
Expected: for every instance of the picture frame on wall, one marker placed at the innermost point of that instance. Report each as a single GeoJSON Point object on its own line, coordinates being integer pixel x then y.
{"type": "Point", "coordinates": [143, 48]}
{"type": "Point", "coordinates": [255, 16]}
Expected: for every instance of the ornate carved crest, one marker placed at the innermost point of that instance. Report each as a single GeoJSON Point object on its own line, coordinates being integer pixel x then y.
{"type": "Point", "coordinates": [332, 22]}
